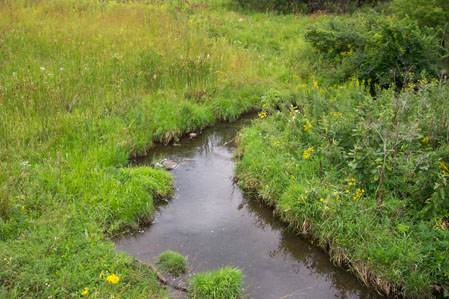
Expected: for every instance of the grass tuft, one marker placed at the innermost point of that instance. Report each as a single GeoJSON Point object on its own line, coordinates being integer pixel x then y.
{"type": "Point", "coordinates": [226, 282]}
{"type": "Point", "coordinates": [172, 262]}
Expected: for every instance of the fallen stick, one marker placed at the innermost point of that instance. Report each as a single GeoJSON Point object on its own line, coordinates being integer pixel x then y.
{"type": "Point", "coordinates": [163, 280]}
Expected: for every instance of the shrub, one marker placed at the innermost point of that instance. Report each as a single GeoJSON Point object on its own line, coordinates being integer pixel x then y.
{"type": "Point", "coordinates": [430, 13]}
{"type": "Point", "coordinates": [224, 283]}
{"type": "Point", "coordinates": [172, 262]}
{"type": "Point", "coordinates": [289, 6]}
{"type": "Point", "coordinates": [381, 51]}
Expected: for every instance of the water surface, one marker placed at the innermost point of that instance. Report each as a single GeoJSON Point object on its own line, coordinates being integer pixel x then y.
{"type": "Point", "coordinates": [212, 223]}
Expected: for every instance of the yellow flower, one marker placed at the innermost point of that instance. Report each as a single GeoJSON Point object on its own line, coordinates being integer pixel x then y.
{"type": "Point", "coordinates": [112, 278]}
{"type": "Point", "coordinates": [306, 155]}
{"type": "Point", "coordinates": [262, 114]}
{"type": "Point", "coordinates": [443, 167]}
{"type": "Point", "coordinates": [315, 84]}
{"type": "Point", "coordinates": [85, 292]}
{"type": "Point", "coordinates": [321, 199]}
{"type": "Point", "coordinates": [23, 208]}
{"type": "Point", "coordinates": [307, 126]}
{"type": "Point", "coordinates": [425, 139]}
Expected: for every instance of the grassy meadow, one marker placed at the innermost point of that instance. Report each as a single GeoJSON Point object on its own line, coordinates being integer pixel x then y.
{"type": "Point", "coordinates": [84, 86]}
{"type": "Point", "coordinates": [87, 85]}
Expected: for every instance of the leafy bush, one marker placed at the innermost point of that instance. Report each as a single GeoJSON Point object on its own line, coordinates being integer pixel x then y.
{"type": "Point", "coordinates": [430, 13]}
{"type": "Point", "coordinates": [172, 262]}
{"type": "Point", "coordinates": [381, 51]}
{"type": "Point", "coordinates": [223, 283]}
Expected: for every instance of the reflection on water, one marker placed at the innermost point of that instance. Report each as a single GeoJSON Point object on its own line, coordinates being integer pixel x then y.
{"type": "Point", "coordinates": [212, 223]}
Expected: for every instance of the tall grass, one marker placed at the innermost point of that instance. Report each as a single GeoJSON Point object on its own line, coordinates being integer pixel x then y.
{"type": "Point", "coordinates": [84, 85]}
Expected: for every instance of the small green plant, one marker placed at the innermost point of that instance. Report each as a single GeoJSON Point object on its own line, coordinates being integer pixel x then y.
{"type": "Point", "coordinates": [224, 283]}
{"type": "Point", "coordinates": [172, 262]}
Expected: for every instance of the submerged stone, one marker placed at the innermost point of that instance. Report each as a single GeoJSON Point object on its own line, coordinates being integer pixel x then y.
{"type": "Point", "coordinates": [169, 164]}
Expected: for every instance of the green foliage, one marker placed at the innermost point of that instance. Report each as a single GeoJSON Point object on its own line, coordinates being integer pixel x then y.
{"type": "Point", "coordinates": [224, 283]}
{"type": "Point", "coordinates": [172, 262]}
{"type": "Point", "coordinates": [292, 6]}
{"type": "Point", "coordinates": [380, 51]}
{"type": "Point", "coordinates": [430, 13]}
{"type": "Point", "coordinates": [84, 86]}
{"type": "Point", "coordinates": [365, 176]}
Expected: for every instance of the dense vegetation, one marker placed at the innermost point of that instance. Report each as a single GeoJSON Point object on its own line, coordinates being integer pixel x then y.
{"type": "Point", "coordinates": [85, 85]}
{"type": "Point", "coordinates": [357, 157]}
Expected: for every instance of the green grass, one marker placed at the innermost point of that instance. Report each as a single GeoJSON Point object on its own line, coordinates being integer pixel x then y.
{"type": "Point", "coordinates": [226, 282]}
{"type": "Point", "coordinates": [172, 262]}
{"type": "Point", "coordinates": [85, 85]}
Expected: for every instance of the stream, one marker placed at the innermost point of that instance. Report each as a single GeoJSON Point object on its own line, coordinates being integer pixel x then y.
{"type": "Point", "coordinates": [212, 223]}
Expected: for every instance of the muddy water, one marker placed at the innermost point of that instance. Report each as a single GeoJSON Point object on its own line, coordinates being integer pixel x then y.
{"type": "Point", "coordinates": [212, 223]}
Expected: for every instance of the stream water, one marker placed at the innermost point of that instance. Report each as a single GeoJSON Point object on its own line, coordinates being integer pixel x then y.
{"type": "Point", "coordinates": [214, 224]}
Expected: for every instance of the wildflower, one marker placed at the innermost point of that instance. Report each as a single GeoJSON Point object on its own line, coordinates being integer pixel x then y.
{"type": "Point", "coordinates": [23, 208]}
{"type": "Point", "coordinates": [306, 155]}
{"type": "Point", "coordinates": [321, 199]}
{"type": "Point", "coordinates": [101, 274]}
{"type": "Point", "coordinates": [443, 167]}
{"type": "Point", "coordinates": [299, 86]}
{"type": "Point", "coordinates": [264, 105]}
{"type": "Point", "coordinates": [85, 292]}
{"type": "Point", "coordinates": [307, 126]}
{"type": "Point", "coordinates": [425, 139]}
{"type": "Point", "coordinates": [262, 114]}
{"type": "Point", "coordinates": [112, 278]}
{"type": "Point", "coordinates": [315, 84]}
{"type": "Point", "coordinates": [347, 190]}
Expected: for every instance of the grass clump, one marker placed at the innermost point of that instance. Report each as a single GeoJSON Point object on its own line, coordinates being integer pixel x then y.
{"type": "Point", "coordinates": [226, 282]}
{"type": "Point", "coordinates": [172, 262]}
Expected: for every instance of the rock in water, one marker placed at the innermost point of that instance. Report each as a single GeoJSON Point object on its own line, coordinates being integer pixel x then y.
{"type": "Point", "coordinates": [169, 164]}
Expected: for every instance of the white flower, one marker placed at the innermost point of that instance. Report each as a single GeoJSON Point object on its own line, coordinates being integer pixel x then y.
{"type": "Point", "coordinates": [42, 68]}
